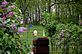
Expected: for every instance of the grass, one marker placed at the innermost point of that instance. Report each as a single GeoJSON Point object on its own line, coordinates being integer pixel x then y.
{"type": "Point", "coordinates": [28, 36]}
{"type": "Point", "coordinates": [30, 33]}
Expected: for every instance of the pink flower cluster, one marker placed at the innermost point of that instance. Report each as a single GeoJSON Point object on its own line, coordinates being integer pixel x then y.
{"type": "Point", "coordinates": [4, 3]}
{"type": "Point", "coordinates": [3, 7]}
{"type": "Point", "coordinates": [7, 12]}
{"type": "Point", "coordinates": [10, 14]}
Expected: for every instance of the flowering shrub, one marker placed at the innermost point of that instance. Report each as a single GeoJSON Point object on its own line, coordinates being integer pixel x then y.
{"type": "Point", "coordinates": [62, 34]}
{"type": "Point", "coordinates": [67, 38]}
{"type": "Point", "coordinates": [10, 29]}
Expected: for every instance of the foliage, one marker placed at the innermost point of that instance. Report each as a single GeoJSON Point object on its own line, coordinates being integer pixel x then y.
{"type": "Point", "coordinates": [64, 28]}
{"type": "Point", "coordinates": [49, 22]}
{"type": "Point", "coordinates": [49, 16]}
{"type": "Point", "coordinates": [50, 29]}
{"type": "Point", "coordinates": [67, 36]}
{"type": "Point", "coordinates": [9, 29]}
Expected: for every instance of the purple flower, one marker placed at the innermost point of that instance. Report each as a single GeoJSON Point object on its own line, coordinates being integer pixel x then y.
{"type": "Point", "coordinates": [22, 29]}
{"type": "Point", "coordinates": [13, 26]}
{"type": "Point", "coordinates": [4, 17]}
{"type": "Point", "coordinates": [11, 13]}
{"type": "Point", "coordinates": [2, 6]}
{"type": "Point", "coordinates": [4, 3]}
{"type": "Point", "coordinates": [4, 9]}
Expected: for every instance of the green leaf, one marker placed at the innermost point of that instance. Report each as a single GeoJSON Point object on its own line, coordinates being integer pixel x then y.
{"type": "Point", "coordinates": [1, 44]}
{"type": "Point", "coordinates": [1, 10]}
{"type": "Point", "coordinates": [1, 20]}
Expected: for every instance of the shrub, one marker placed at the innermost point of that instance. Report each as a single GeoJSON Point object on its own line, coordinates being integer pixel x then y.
{"type": "Point", "coordinates": [9, 24]}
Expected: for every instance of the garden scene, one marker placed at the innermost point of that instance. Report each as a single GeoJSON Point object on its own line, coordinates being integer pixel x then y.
{"type": "Point", "coordinates": [40, 26]}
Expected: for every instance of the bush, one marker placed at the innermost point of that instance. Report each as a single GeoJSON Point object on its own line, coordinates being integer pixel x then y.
{"type": "Point", "coordinates": [10, 29]}
{"type": "Point", "coordinates": [66, 36]}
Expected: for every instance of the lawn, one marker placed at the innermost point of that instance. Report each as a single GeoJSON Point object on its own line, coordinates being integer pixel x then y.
{"type": "Point", "coordinates": [27, 37]}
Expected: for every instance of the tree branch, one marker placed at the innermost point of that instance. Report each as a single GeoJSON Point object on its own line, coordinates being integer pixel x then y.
{"type": "Point", "coordinates": [68, 2]}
